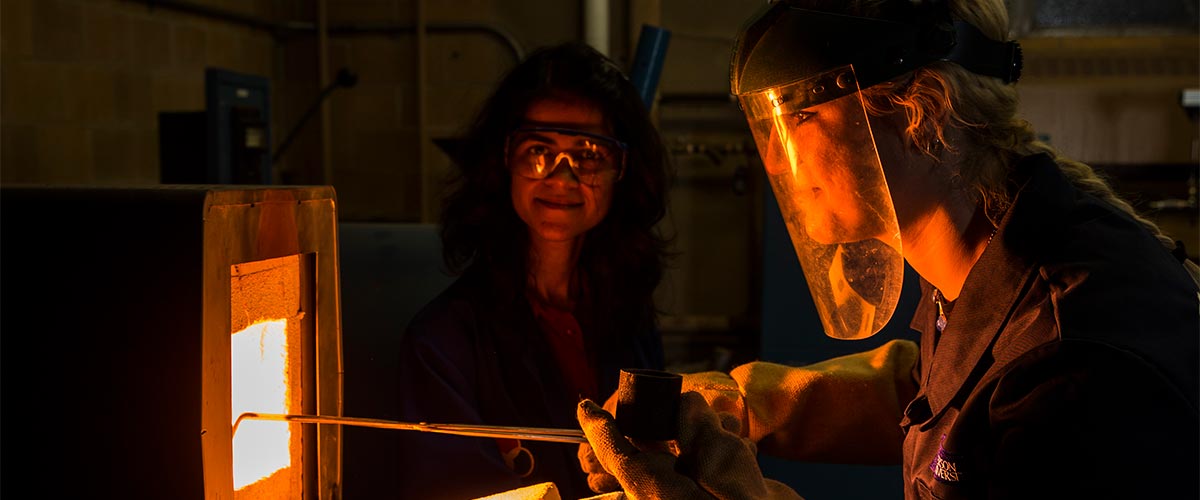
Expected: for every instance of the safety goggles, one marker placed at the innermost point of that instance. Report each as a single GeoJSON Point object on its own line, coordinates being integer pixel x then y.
{"type": "Point", "coordinates": [535, 153]}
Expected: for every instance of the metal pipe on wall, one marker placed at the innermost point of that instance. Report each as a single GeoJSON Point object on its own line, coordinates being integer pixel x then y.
{"type": "Point", "coordinates": [596, 24]}
{"type": "Point", "coordinates": [323, 79]}
{"type": "Point", "coordinates": [642, 13]}
{"type": "Point", "coordinates": [327, 178]}
{"type": "Point", "coordinates": [282, 29]}
{"type": "Point", "coordinates": [223, 15]}
{"type": "Point", "coordinates": [504, 37]}
{"type": "Point", "coordinates": [648, 61]}
{"type": "Point", "coordinates": [428, 203]}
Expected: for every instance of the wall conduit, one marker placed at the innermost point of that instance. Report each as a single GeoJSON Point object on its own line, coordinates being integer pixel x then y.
{"type": "Point", "coordinates": [284, 29]}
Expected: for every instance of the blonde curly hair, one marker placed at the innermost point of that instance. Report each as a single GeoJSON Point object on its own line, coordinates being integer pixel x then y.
{"type": "Point", "coordinates": [984, 108]}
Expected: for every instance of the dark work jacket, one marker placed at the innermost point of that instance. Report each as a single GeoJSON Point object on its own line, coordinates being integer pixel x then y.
{"type": "Point", "coordinates": [467, 358]}
{"type": "Point", "coordinates": [1069, 364]}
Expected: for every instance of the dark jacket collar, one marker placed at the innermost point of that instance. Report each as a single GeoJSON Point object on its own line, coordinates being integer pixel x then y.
{"type": "Point", "coordinates": [994, 284]}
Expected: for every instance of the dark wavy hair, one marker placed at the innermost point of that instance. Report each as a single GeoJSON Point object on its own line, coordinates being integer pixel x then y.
{"type": "Point", "coordinates": [623, 257]}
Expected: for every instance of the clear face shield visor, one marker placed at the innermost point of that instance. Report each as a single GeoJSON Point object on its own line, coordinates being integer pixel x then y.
{"type": "Point", "coordinates": [820, 157]}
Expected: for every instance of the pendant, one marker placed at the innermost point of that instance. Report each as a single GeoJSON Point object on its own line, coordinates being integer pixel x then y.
{"type": "Point", "coordinates": [941, 312]}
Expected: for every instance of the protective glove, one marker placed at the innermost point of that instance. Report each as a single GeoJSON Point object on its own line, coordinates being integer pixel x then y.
{"type": "Point", "coordinates": [599, 480]}
{"type": "Point", "coordinates": [707, 461]}
{"type": "Point", "coordinates": [722, 394]}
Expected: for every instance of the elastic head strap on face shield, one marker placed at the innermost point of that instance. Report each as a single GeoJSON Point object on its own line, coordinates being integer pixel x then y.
{"type": "Point", "coordinates": [785, 43]}
{"type": "Point", "coordinates": [983, 56]}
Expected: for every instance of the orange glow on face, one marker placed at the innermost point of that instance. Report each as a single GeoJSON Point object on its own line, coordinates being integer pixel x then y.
{"type": "Point", "coordinates": [821, 155]}
{"type": "Point", "coordinates": [260, 377]}
{"type": "Point", "coordinates": [266, 377]}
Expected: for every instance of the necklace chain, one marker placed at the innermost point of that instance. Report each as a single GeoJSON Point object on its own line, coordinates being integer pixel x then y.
{"type": "Point", "coordinates": [937, 294]}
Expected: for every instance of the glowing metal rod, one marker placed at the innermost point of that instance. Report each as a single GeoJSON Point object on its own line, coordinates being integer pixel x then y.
{"type": "Point", "coordinates": [494, 431]}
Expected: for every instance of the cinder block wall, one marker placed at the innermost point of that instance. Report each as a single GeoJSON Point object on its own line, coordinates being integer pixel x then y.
{"type": "Point", "coordinates": [1110, 100]}
{"type": "Point", "coordinates": [82, 82]}
{"type": "Point", "coordinates": [378, 125]}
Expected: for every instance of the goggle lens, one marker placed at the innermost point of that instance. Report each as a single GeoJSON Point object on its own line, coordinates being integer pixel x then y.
{"type": "Point", "coordinates": [535, 153]}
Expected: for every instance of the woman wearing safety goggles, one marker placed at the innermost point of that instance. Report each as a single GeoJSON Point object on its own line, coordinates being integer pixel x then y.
{"type": "Point", "coordinates": [551, 225]}
{"type": "Point", "coordinates": [535, 152]}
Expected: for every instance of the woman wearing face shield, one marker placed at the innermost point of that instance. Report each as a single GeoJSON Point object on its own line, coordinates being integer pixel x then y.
{"type": "Point", "coordinates": [1059, 349]}
{"type": "Point", "coordinates": [551, 224]}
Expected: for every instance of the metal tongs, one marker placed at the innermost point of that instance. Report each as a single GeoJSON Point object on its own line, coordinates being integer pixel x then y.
{"type": "Point", "coordinates": [493, 431]}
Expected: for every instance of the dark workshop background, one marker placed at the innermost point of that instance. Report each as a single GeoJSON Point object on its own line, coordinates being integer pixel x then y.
{"type": "Point", "coordinates": [85, 85]}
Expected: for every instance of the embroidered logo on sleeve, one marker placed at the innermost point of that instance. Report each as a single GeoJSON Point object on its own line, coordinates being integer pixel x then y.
{"type": "Point", "coordinates": [945, 464]}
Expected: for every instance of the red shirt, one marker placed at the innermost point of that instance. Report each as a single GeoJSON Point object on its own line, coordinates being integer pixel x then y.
{"type": "Point", "coordinates": [562, 331]}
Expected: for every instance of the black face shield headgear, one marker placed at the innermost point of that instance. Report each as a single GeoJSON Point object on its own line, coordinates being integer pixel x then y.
{"type": "Point", "coordinates": [783, 43]}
